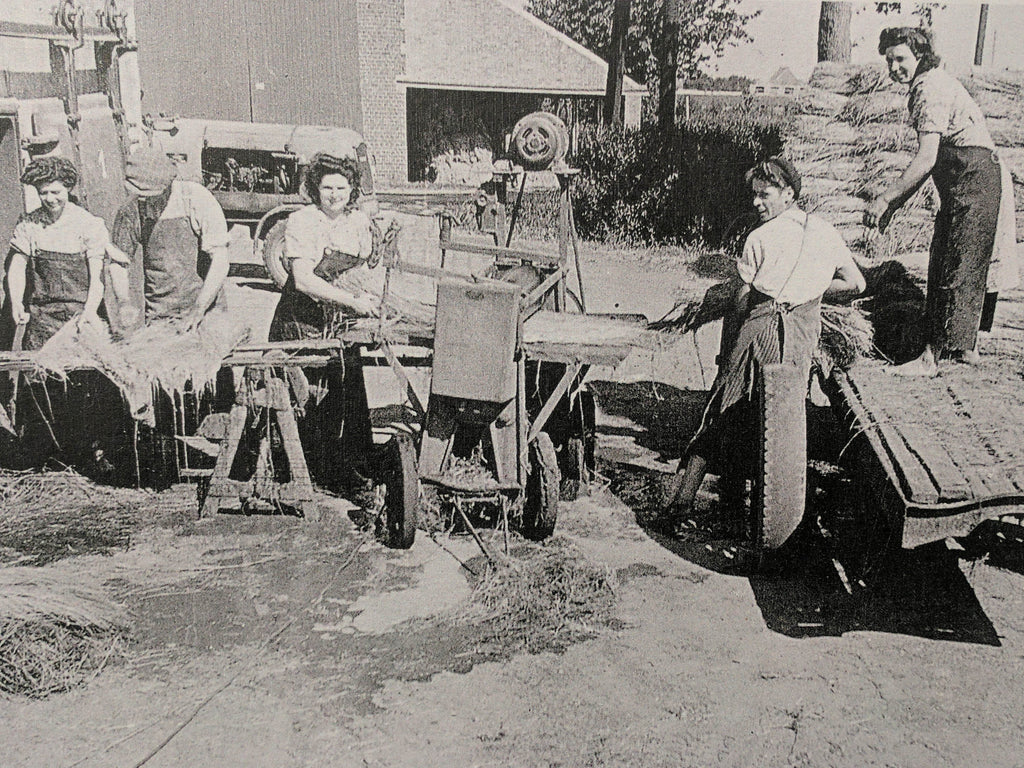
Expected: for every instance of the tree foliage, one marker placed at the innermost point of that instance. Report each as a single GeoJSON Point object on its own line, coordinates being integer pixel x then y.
{"type": "Point", "coordinates": [706, 28]}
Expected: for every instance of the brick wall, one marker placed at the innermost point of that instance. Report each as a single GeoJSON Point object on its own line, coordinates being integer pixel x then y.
{"type": "Point", "coordinates": [381, 25]}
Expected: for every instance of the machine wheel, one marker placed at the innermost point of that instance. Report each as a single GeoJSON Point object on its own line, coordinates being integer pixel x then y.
{"type": "Point", "coordinates": [540, 504]}
{"type": "Point", "coordinates": [401, 492]}
{"type": "Point", "coordinates": [780, 477]}
{"type": "Point", "coordinates": [539, 139]}
{"type": "Point", "coordinates": [273, 254]}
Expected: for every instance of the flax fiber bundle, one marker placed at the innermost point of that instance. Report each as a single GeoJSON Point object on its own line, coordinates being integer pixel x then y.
{"type": "Point", "coordinates": [54, 631]}
{"type": "Point", "coordinates": [159, 356]}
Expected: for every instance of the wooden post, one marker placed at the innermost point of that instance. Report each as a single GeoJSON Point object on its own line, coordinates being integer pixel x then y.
{"type": "Point", "coordinates": [616, 64]}
{"type": "Point", "coordinates": [979, 45]}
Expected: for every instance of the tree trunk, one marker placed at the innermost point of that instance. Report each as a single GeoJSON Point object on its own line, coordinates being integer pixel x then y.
{"type": "Point", "coordinates": [616, 64]}
{"type": "Point", "coordinates": [668, 64]}
{"type": "Point", "coordinates": [834, 43]}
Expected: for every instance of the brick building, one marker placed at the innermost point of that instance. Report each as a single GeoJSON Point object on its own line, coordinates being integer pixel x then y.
{"type": "Point", "coordinates": [390, 69]}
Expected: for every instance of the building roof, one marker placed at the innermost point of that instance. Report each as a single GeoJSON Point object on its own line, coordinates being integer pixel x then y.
{"type": "Point", "coordinates": [783, 76]}
{"type": "Point", "coordinates": [492, 45]}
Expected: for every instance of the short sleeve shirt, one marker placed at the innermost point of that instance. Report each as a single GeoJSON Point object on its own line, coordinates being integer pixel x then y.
{"type": "Point", "coordinates": [940, 104]}
{"type": "Point", "coordinates": [187, 200]}
{"type": "Point", "coordinates": [309, 232]}
{"type": "Point", "coordinates": [793, 258]}
{"type": "Point", "coordinates": [76, 231]}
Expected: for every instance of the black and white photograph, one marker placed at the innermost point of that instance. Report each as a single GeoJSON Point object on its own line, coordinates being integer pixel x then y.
{"type": "Point", "coordinates": [511, 384]}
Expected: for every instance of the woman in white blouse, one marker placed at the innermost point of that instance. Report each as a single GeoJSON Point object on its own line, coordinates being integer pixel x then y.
{"type": "Point", "coordinates": [322, 241]}
{"type": "Point", "coordinates": [956, 150]}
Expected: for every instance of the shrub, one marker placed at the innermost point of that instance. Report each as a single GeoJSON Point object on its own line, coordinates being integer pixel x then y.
{"type": "Point", "coordinates": [645, 187]}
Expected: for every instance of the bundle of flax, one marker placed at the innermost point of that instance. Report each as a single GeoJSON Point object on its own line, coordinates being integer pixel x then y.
{"type": "Point", "coordinates": [159, 356]}
{"type": "Point", "coordinates": [846, 332]}
{"type": "Point", "coordinates": [54, 631]}
{"type": "Point", "coordinates": [46, 516]}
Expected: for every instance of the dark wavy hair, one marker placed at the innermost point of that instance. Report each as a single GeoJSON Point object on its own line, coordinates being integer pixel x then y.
{"type": "Point", "coordinates": [918, 40]}
{"type": "Point", "coordinates": [46, 170]}
{"type": "Point", "coordinates": [322, 165]}
{"type": "Point", "coordinates": [776, 172]}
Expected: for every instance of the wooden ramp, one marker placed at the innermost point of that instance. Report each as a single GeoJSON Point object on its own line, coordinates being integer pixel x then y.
{"type": "Point", "coordinates": [951, 447]}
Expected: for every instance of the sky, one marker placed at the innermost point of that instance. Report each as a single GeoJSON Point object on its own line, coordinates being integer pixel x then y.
{"type": "Point", "coordinates": [785, 34]}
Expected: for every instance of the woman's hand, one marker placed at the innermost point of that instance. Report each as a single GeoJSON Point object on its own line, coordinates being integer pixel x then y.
{"type": "Point", "coordinates": [875, 213]}
{"type": "Point", "coordinates": [20, 314]}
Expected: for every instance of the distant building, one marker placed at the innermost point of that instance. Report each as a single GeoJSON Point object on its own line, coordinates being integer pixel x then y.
{"type": "Point", "coordinates": [782, 83]}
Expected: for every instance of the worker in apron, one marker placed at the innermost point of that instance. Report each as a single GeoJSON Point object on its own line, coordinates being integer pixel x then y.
{"type": "Point", "coordinates": [55, 276]}
{"type": "Point", "coordinates": [321, 242]}
{"type": "Point", "coordinates": [788, 264]}
{"type": "Point", "coordinates": [179, 232]}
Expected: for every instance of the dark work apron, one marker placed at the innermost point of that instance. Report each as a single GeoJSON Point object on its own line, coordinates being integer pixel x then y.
{"type": "Point", "coordinates": [60, 285]}
{"type": "Point", "coordinates": [335, 431]}
{"type": "Point", "coordinates": [968, 182]}
{"type": "Point", "coordinates": [170, 253]}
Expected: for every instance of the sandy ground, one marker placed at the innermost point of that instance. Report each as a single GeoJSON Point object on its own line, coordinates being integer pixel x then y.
{"type": "Point", "coordinates": [278, 642]}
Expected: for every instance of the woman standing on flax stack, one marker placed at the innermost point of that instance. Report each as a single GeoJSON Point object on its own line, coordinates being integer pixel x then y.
{"type": "Point", "coordinates": [321, 242]}
{"type": "Point", "coordinates": [956, 150]}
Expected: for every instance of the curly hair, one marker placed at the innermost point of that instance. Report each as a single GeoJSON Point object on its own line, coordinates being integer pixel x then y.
{"type": "Point", "coordinates": [46, 170]}
{"type": "Point", "coordinates": [322, 165]}
{"type": "Point", "coordinates": [918, 40]}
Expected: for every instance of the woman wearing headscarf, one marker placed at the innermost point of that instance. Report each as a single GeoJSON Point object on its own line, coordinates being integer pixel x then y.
{"type": "Point", "coordinates": [57, 250]}
{"type": "Point", "coordinates": [788, 264]}
{"type": "Point", "coordinates": [322, 242]}
{"type": "Point", "coordinates": [956, 150]}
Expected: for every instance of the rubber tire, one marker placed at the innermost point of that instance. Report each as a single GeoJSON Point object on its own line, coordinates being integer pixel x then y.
{"type": "Point", "coordinates": [401, 492]}
{"type": "Point", "coordinates": [543, 488]}
{"type": "Point", "coordinates": [273, 254]}
{"type": "Point", "coordinates": [780, 477]}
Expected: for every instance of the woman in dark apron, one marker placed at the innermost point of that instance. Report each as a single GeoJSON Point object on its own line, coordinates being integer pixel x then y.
{"type": "Point", "coordinates": [55, 276]}
{"type": "Point", "coordinates": [956, 150]}
{"type": "Point", "coordinates": [323, 241]}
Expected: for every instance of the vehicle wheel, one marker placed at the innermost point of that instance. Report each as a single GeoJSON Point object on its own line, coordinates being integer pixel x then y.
{"type": "Point", "coordinates": [273, 254]}
{"type": "Point", "coordinates": [540, 503]}
{"type": "Point", "coordinates": [780, 477]}
{"type": "Point", "coordinates": [401, 492]}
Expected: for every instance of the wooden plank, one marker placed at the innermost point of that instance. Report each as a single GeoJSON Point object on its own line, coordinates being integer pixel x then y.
{"type": "Point", "coordinates": [952, 484]}
{"type": "Point", "coordinates": [917, 485]}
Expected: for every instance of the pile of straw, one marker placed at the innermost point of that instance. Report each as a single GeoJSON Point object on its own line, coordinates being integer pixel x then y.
{"type": "Point", "coordinates": [46, 516]}
{"type": "Point", "coordinates": [159, 356]}
{"type": "Point", "coordinates": [54, 632]}
{"type": "Point", "coordinates": [544, 598]}
{"type": "Point", "coordinates": [852, 138]}
{"type": "Point", "coordinates": [846, 332]}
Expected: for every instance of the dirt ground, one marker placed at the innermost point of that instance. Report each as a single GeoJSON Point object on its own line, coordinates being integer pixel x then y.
{"type": "Point", "coordinates": [270, 641]}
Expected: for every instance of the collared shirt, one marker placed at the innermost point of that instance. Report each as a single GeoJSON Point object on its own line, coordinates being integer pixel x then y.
{"type": "Point", "coordinates": [187, 200]}
{"type": "Point", "coordinates": [939, 103]}
{"type": "Point", "coordinates": [793, 257]}
{"type": "Point", "coordinates": [76, 231]}
{"type": "Point", "coordinates": [309, 231]}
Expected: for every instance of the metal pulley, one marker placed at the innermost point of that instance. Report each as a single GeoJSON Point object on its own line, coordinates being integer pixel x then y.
{"type": "Point", "coordinates": [540, 140]}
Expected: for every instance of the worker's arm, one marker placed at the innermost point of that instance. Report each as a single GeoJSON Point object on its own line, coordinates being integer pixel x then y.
{"type": "Point", "coordinates": [310, 284]}
{"type": "Point", "coordinates": [215, 277]}
{"type": "Point", "coordinates": [95, 293]}
{"type": "Point", "coordinates": [117, 267]}
{"type": "Point", "coordinates": [880, 210]}
{"type": "Point", "coordinates": [16, 284]}
{"type": "Point", "coordinates": [847, 283]}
